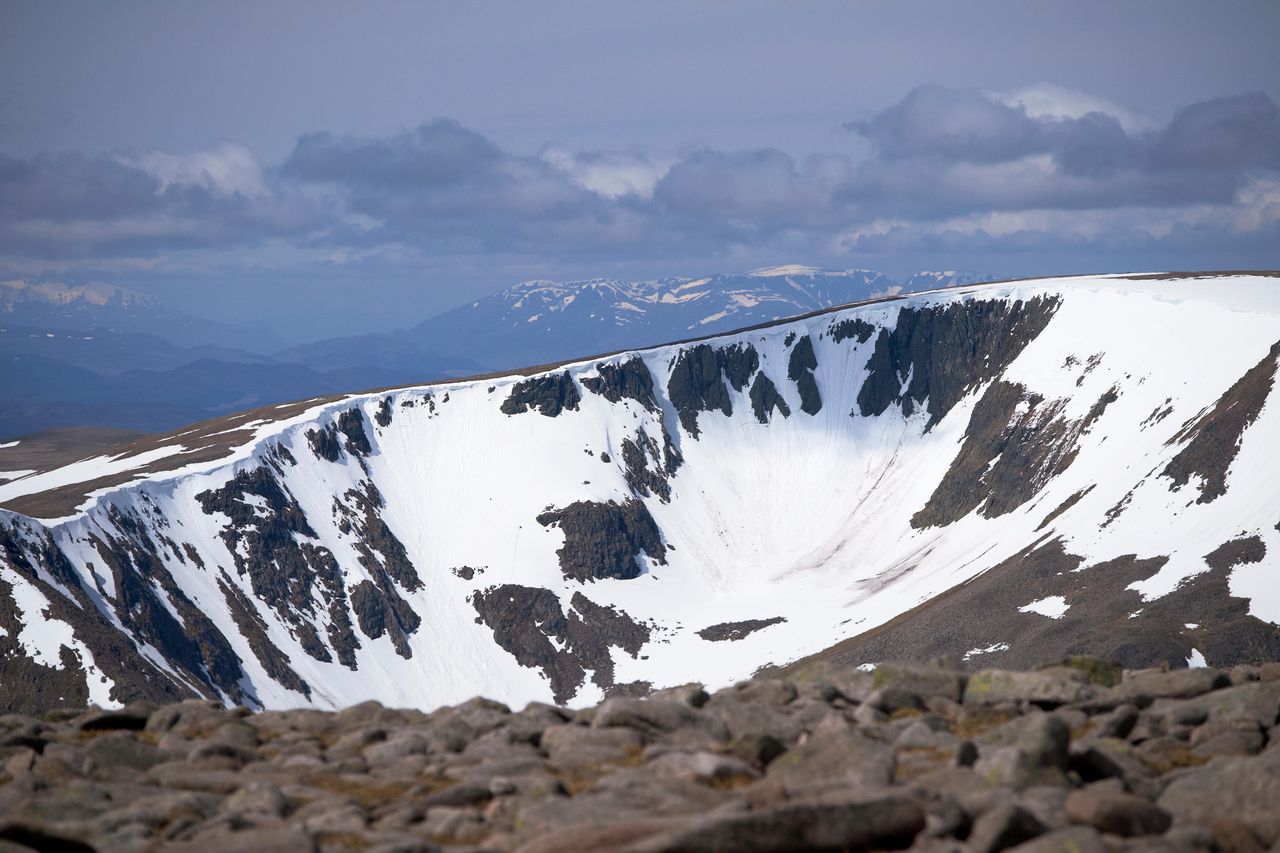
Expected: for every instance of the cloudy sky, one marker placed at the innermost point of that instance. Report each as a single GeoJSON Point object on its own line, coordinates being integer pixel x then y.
{"type": "Point", "coordinates": [353, 166]}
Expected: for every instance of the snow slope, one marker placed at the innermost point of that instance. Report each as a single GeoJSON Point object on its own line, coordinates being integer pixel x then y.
{"type": "Point", "coordinates": [659, 516]}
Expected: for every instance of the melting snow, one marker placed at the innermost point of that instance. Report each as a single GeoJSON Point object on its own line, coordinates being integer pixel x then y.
{"type": "Point", "coordinates": [1055, 607]}
{"type": "Point", "coordinates": [83, 471]}
{"type": "Point", "coordinates": [785, 269]}
{"type": "Point", "coordinates": [1257, 582]}
{"type": "Point", "coordinates": [995, 647]}
{"type": "Point", "coordinates": [43, 637]}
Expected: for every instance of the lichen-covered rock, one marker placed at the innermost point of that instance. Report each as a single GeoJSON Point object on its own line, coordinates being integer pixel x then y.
{"type": "Point", "coordinates": [925, 679]}
{"type": "Point", "coordinates": [1174, 683]}
{"type": "Point", "coordinates": [1072, 839]}
{"type": "Point", "coordinates": [847, 757]}
{"type": "Point", "coordinates": [1048, 689]}
{"type": "Point", "coordinates": [1116, 812]}
{"type": "Point", "coordinates": [768, 764]}
{"type": "Point", "coordinates": [1002, 827]}
{"type": "Point", "coordinates": [834, 824]}
{"type": "Point", "coordinates": [583, 747]}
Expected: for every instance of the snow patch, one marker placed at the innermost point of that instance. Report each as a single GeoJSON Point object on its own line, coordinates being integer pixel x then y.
{"type": "Point", "coordinates": [785, 269]}
{"type": "Point", "coordinates": [1054, 606]}
{"type": "Point", "coordinates": [994, 647]}
{"type": "Point", "coordinates": [43, 637]}
{"type": "Point", "coordinates": [84, 471]}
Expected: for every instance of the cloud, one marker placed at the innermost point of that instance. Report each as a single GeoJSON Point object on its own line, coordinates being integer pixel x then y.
{"type": "Point", "coordinates": [226, 170]}
{"type": "Point", "coordinates": [439, 154]}
{"type": "Point", "coordinates": [940, 152]}
{"type": "Point", "coordinates": [947, 171]}
{"type": "Point", "coordinates": [1049, 101]}
{"type": "Point", "coordinates": [70, 205]}
{"type": "Point", "coordinates": [1225, 236]}
{"type": "Point", "coordinates": [611, 174]}
{"type": "Point", "coordinates": [949, 125]}
{"type": "Point", "coordinates": [1222, 134]}
{"type": "Point", "coordinates": [68, 186]}
{"type": "Point", "coordinates": [446, 187]}
{"type": "Point", "coordinates": [762, 186]}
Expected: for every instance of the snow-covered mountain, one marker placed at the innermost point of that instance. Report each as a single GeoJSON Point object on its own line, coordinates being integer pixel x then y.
{"type": "Point", "coordinates": [96, 306]}
{"type": "Point", "coordinates": [539, 321]}
{"type": "Point", "coordinates": [934, 279]}
{"type": "Point", "coordinates": [1004, 473]}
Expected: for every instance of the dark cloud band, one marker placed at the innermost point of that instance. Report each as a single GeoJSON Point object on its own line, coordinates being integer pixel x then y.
{"type": "Point", "coordinates": [443, 189]}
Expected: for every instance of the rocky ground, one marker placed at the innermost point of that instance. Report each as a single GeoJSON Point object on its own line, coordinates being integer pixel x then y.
{"type": "Point", "coordinates": [1078, 757]}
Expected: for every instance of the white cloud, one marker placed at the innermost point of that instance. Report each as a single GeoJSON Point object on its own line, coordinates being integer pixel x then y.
{"type": "Point", "coordinates": [228, 169]}
{"type": "Point", "coordinates": [610, 174]}
{"type": "Point", "coordinates": [1047, 100]}
{"type": "Point", "coordinates": [1255, 212]}
{"type": "Point", "coordinates": [1259, 206]}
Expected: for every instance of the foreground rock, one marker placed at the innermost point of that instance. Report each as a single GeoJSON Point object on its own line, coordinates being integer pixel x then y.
{"type": "Point", "coordinates": [1070, 757]}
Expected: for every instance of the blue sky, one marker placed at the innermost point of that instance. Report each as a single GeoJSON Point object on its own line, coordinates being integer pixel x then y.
{"type": "Point", "coordinates": [358, 166]}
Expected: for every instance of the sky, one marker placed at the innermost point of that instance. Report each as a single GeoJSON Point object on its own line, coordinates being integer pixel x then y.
{"type": "Point", "coordinates": [343, 167]}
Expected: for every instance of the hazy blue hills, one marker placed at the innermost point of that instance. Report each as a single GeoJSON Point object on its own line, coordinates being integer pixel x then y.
{"type": "Point", "coordinates": [104, 356]}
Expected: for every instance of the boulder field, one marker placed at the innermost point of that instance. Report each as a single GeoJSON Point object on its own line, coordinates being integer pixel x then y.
{"type": "Point", "coordinates": [1078, 756]}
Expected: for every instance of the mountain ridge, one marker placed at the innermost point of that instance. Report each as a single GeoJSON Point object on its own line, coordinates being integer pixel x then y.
{"type": "Point", "coordinates": [702, 507]}
{"type": "Point", "coordinates": [110, 331]}
{"type": "Point", "coordinates": [86, 307]}
{"type": "Point", "coordinates": [531, 321]}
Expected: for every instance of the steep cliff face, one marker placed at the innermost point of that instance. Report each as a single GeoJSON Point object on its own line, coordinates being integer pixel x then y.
{"type": "Point", "coordinates": [1101, 448]}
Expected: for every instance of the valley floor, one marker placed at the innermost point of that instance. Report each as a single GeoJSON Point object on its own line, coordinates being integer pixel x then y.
{"type": "Point", "coordinates": [1079, 756]}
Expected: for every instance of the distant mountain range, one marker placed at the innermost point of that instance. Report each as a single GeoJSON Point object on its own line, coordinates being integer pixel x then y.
{"type": "Point", "coordinates": [88, 307]}
{"type": "Point", "coordinates": [540, 321]}
{"type": "Point", "coordinates": [545, 320]}
{"type": "Point", "coordinates": [100, 355]}
{"type": "Point", "coordinates": [105, 356]}
{"type": "Point", "coordinates": [934, 279]}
